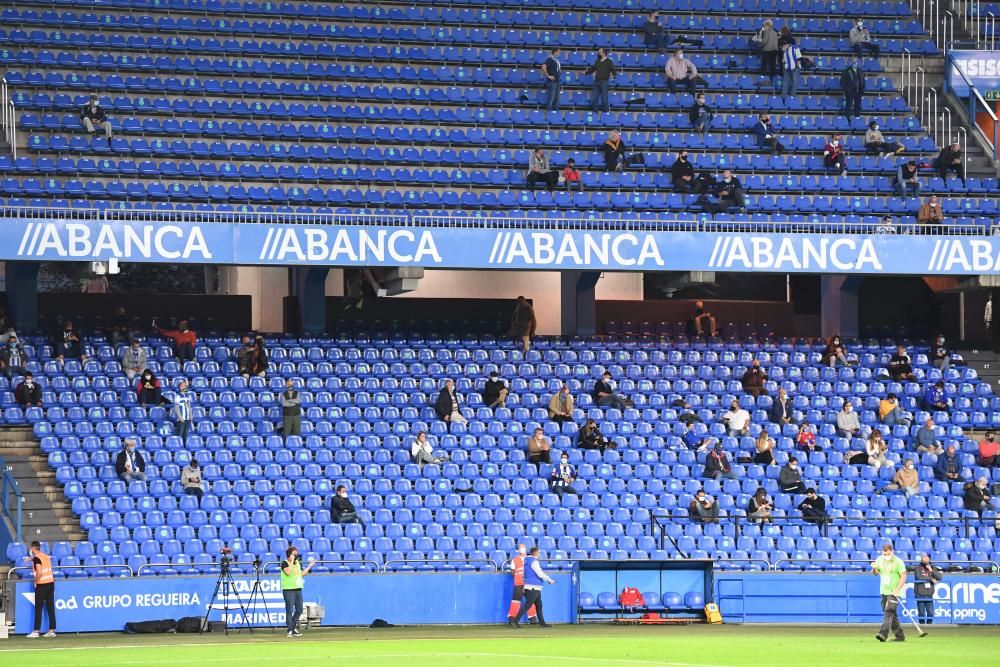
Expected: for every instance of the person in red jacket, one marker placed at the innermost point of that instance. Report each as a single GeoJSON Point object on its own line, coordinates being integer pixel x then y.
{"type": "Point", "coordinates": [989, 451]}
{"type": "Point", "coordinates": [183, 339]}
{"type": "Point", "coordinates": [517, 562]}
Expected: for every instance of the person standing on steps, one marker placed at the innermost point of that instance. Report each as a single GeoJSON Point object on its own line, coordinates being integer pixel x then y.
{"type": "Point", "coordinates": [534, 577]}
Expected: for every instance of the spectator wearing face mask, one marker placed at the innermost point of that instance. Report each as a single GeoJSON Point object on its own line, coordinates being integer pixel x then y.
{"type": "Point", "coordinates": [900, 368]}
{"type": "Point", "coordinates": [936, 397]}
{"type": "Point", "coordinates": [940, 356]}
{"type": "Point", "coordinates": [930, 212]}
{"type": "Point", "coordinates": [28, 394]}
{"type": "Point", "coordinates": [977, 496]}
{"type": "Point", "coordinates": [93, 118]}
{"type": "Point", "coordinates": [682, 173]}
{"type": "Point", "coordinates": [906, 479]}
{"type": "Point", "coordinates": [700, 114]}
{"type": "Point", "coordinates": [561, 405]}
{"type": "Point", "coordinates": [539, 169]}
{"type": "Point", "coordinates": [680, 72]}
{"type": "Point", "coordinates": [791, 69]}
{"type": "Point", "coordinates": [753, 380]}
{"type": "Point", "coordinates": [552, 71]}
{"type": "Point", "coordinates": [989, 451]}
{"type": "Point", "coordinates": [806, 439]}
{"type": "Point", "coordinates": [718, 465]}
{"type": "Point", "coordinates": [130, 465]}
{"type": "Point", "coordinates": [950, 159]}
{"type": "Point", "coordinates": [766, 137]}
{"type": "Point", "coordinates": [834, 156]}
{"type": "Point", "coordinates": [604, 393]}
{"type": "Point", "coordinates": [183, 410]}
{"type": "Point", "coordinates": [730, 193]}
{"type": "Point", "coordinates": [562, 478]}
{"type": "Point", "coordinates": [183, 340]}
{"type": "Point", "coordinates": [781, 409]}
{"type": "Point", "coordinates": [134, 360]}
{"type": "Point", "coordinates": [495, 391]}
{"type": "Point", "coordinates": [927, 440]}
{"type": "Point", "coordinates": [539, 447]}
{"type": "Point", "coordinates": [13, 358]}
{"type": "Point", "coordinates": [603, 70]}
{"type": "Point", "coordinates": [342, 510]}
{"type": "Point", "coordinates": [848, 424]}
{"type": "Point", "coordinates": [192, 481]}
{"type": "Point", "coordinates": [834, 352]}
{"type": "Point", "coordinates": [148, 390]}
{"type": "Point", "coordinates": [291, 410]}
{"type": "Point", "coordinates": [852, 82]}
{"type": "Point", "coordinates": [736, 420]}
{"type": "Point", "coordinates": [926, 576]}
{"type": "Point", "coordinates": [66, 343]}
{"type": "Point", "coordinates": [861, 40]}
{"type": "Point", "coordinates": [790, 477]}
{"type": "Point", "coordinates": [948, 468]}
{"type": "Point", "coordinates": [876, 143]}
{"type": "Point", "coordinates": [447, 405]}
{"type": "Point", "coordinates": [703, 508]}
{"type": "Point", "coordinates": [889, 412]}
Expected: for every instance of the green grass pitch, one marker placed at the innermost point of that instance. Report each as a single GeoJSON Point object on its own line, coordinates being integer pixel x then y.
{"type": "Point", "coordinates": [560, 646]}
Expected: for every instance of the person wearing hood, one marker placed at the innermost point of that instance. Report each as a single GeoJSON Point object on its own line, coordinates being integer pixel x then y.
{"type": "Point", "coordinates": [876, 143]}
{"type": "Point", "coordinates": [861, 40]}
{"type": "Point", "coordinates": [183, 340]}
{"type": "Point", "coordinates": [93, 118]}
{"type": "Point", "coordinates": [13, 358]}
{"type": "Point", "coordinates": [134, 360]}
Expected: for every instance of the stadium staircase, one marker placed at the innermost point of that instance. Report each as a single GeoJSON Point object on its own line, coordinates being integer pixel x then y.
{"type": "Point", "coordinates": [986, 364]}
{"type": "Point", "coordinates": [47, 515]}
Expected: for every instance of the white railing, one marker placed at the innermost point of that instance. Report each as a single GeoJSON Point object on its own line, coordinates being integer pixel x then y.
{"type": "Point", "coordinates": [972, 20]}
{"type": "Point", "coordinates": [990, 36]}
{"type": "Point", "coordinates": [8, 118]}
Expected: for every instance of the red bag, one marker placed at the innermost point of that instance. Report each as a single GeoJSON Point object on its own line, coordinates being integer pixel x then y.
{"type": "Point", "coordinates": [631, 598]}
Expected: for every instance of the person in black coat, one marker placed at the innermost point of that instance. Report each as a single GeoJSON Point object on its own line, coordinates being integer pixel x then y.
{"type": "Point", "coordinates": [66, 343]}
{"type": "Point", "coordinates": [730, 192]}
{"type": "Point", "coordinates": [700, 114]}
{"type": "Point", "coordinates": [781, 409]}
{"type": "Point", "coordinates": [93, 118]}
{"type": "Point", "coordinates": [950, 159]}
{"type": "Point", "coordinates": [813, 507]}
{"type": "Point", "coordinates": [342, 510]}
{"type": "Point", "coordinates": [852, 82]}
{"type": "Point", "coordinates": [682, 173]}
{"type": "Point", "coordinates": [447, 405]}
{"type": "Point", "coordinates": [28, 394]}
{"type": "Point", "coordinates": [130, 465]}
{"type": "Point", "coordinates": [495, 392]}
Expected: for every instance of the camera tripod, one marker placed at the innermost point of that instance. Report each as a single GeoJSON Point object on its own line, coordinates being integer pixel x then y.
{"type": "Point", "coordinates": [256, 593]}
{"type": "Point", "coordinates": [226, 584]}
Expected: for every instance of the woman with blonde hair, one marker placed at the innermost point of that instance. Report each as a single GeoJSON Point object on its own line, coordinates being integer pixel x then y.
{"type": "Point", "coordinates": [876, 447]}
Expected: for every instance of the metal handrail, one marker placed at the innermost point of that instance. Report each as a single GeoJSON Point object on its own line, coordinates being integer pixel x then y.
{"type": "Point", "coordinates": [152, 565]}
{"type": "Point", "coordinates": [385, 566]}
{"type": "Point", "coordinates": [976, 104]}
{"type": "Point", "coordinates": [991, 30]}
{"type": "Point", "coordinates": [8, 487]}
{"type": "Point", "coordinates": [72, 567]}
{"type": "Point", "coordinates": [321, 562]}
{"type": "Point", "coordinates": [867, 561]}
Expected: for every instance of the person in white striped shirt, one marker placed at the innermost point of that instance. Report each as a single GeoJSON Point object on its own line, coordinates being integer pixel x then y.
{"type": "Point", "coordinates": [183, 410]}
{"type": "Point", "coordinates": [791, 68]}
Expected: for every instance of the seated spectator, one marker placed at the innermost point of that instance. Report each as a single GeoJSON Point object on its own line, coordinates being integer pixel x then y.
{"type": "Point", "coordinates": [694, 440]}
{"type": "Point", "coordinates": [766, 137]}
{"type": "Point", "coordinates": [930, 212]}
{"type": "Point", "coordinates": [571, 177]}
{"type": "Point", "coordinates": [259, 366]}
{"type": "Point", "coordinates": [790, 477]}
{"type": "Point", "coordinates": [948, 468]}
{"type": "Point", "coordinates": [129, 464]}
{"type": "Point", "coordinates": [183, 340]}
{"type": "Point", "coordinates": [848, 424]}
{"type": "Point", "coordinates": [653, 34]}
{"type": "Point", "coordinates": [926, 439]}
{"type": "Point", "coordinates": [906, 480]}
{"type": "Point", "coordinates": [886, 226]}
{"type": "Point", "coordinates": [936, 397]}
{"type": "Point", "coordinates": [861, 40]}
{"type": "Point", "coordinates": [604, 393]}
{"type": "Point", "coordinates": [93, 118]}
{"type": "Point", "coordinates": [447, 406]}
{"type": "Point", "coordinates": [718, 465]}
{"type": "Point", "coordinates": [736, 420]}
{"type": "Point", "coordinates": [590, 437]}
{"type": "Point", "coordinates": [703, 508]}
{"type": "Point", "coordinates": [120, 328]}
{"type": "Point", "coordinates": [905, 180]}
{"type": "Point", "coordinates": [342, 509]}
{"type": "Point", "coordinates": [889, 412]}
{"type": "Point", "coordinates": [538, 447]}
{"type": "Point", "coordinates": [977, 496]}
{"type": "Point", "coordinates": [244, 356]}
{"type": "Point", "coordinates": [764, 446]}
{"type": "Point", "coordinates": [562, 478]}
{"type": "Point", "coordinates": [561, 405]}
{"type": "Point", "coordinates": [950, 159]}
{"type": "Point", "coordinates": [680, 72]}
{"type": "Point", "coordinates": [876, 143]}
{"type": "Point", "coordinates": [148, 390]}
{"type": "Point", "coordinates": [682, 173]}
{"type": "Point", "coordinates": [730, 193]}
{"type": "Point", "coordinates": [940, 356]}
{"type": "Point", "coordinates": [27, 393]}
{"type": "Point", "coordinates": [66, 343]}
{"type": "Point", "coordinates": [191, 480]}
{"type": "Point", "coordinates": [523, 323]}
{"type": "Point", "coordinates": [876, 447]}
{"type": "Point", "coordinates": [183, 410]}
{"type": "Point", "coordinates": [539, 170]}
{"type": "Point", "coordinates": [760, 507]}
{"type": "Point", "coordinates": [900, 368]}
{"type": "Point", "coordinates": [806, 439]}
{"type": "Point", "coordinates": [702, 321]}
{"type": "Point", "coordinates": [614, 151]}
{"type": "Point", "coordinates": [134, 360]}
{"type": "Point", "coordinates": [834, 156]}
{"type": "Point", "coordinates": [834, 352]}
{"type": "Point", "coordinates": [700, 114]}
{"type": "Point", "coordinates": [781, 409]}
{"type": "Point", "coordinates": [989, 451]}
{"type": "Point", "coordinates": [421, 451]}
{"type": "Point", "coordinates": [813, 508]}
{"type": "Point", "coordinates": [495, 391]}
{"type": "Point", "coordinates": [13, 358]}
{"type": "Point", "coordinates": [753, 380]}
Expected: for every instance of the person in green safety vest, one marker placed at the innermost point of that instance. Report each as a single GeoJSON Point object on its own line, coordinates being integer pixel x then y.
{"type": "Point", "coordinates": [892, 581]}
{"type": "Point", "coordinates": [291, 588]}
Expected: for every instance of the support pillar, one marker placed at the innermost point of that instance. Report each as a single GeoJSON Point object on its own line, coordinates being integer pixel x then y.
{"type": "Point", "coordinates": [839, 309]}
{"type": "Point", "coordinates": [308, 286]}
{"type": "Point", "coordinates": [22, 294]}
{"type": "Point", "coordinates": [578, 302]}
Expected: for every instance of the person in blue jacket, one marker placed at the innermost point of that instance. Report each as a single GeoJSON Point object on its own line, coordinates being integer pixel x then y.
{"type": "Point", "coordinates": [948, 468]}
{"type": "Point", "coordinates": [936, 397]}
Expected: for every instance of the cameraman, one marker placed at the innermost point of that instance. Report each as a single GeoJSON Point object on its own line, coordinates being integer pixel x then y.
{"type": "Point", "coordinates": [291, 588]}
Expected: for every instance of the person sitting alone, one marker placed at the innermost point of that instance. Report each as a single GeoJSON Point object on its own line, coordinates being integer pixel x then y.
{"type": "Point", "coordinates": [571, 176]}
{"type": "Point", "coordinates": [989, 451]}
{"type": "Point", "coordinates": [753, 380]}
{"type": "Point", "coordinates": [703, 321]}
{"type": "Point", "coordinates": [422, 452]}
{"type": "Point", "coordinates": [948, 468]}
{"type": "Point", "coordinates": [539, 447]}
{"type": "Point", "coordinates": [806, 439]}
{"type": "Point", "coordinates": [562, 478]}
{"type": "Point", "coordinates": [590, 437]}
{"type": "Point", "coordinates": [906, 480]}
{"type": "Point", "coordinates": [342, 510]}
{"type": "Point", "coordinates": [876, 143]}
{"type": "Point", "coordinates": [495, 391]}
{"type": "Point", "coordinates": [889, 412]}
{"type": "Point", "coordinates": [94, 118]}
{"type": "Point", "coordinates": [701, 114]}
{"type": "Point", "coordinates": [834, 156]}
{"type": "Point", "coordinates": [182, 339]}
{"type": "Point", "coordinates": [561, 405]}
{"type": "Point", "coordinates": [614, 151]}
{"type": "Point", "coordinates": [940, 355]}
{"type": "Point", "coordinates": [66, 344]}
{"type": "Point", "coordinates": [129, 464]}
{"type": "Point", "coordinates": [976, 496]}
{"type": "Point", "coordinates": [900, 366]}
{"type": "Point", "coordinates": [604, 393]}
{"type": "Point", "coordinates": [729, 190]}
{"type": "Point", "coordinates": [680, 71]}
{"type": "Point", "coordinates": [703, 508]}
{"type": "Point", "coordinates": [926, 439]}
{"type": "Point", "coordinates": [876, 448]}
{"type": "Point", "coordinates": [848, 424]}
{"type": "Point", "coordinates": [191, 480]}
{"type": "Point", "coordinates": [148, 390]}
{"type": "Point", "coordinates": [693, 440]}
{"type": "Point", "coordinates": [682, 173]}
{"type": "Point", "coordinates": [790, 477]}
{"type": "Point", "coordinates": [27, 393]}
{"type": "Point", "coordinates": [781, 409]}
{"type": "Point", "coordinates": [834, 352]}
{"type": "Point", "coordinates": [936, 397]}
{"type": "Point", "coordinates": [447, 406]}
{"type": "Point", "coordinates": [813, 507]}
{"type": "Point", "coordinates": [13, 358]}
{"type": "Point", "coordinates": [760, 507]}
{"type": "Point", "coordinates": [718, 465]}
{"type": "Point", "coordinates": [736, 420]}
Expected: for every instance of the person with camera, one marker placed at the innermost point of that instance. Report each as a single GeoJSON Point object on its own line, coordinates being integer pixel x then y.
{"type": "Point", "coordinates": [292, 580]}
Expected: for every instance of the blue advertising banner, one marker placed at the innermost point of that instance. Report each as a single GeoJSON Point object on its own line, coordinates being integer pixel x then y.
{"type": "Point", "coordinates": [98, 605]}
{"type": "Point", "coordinates": [485, 248]}
{"type": "Point", "coordinates": [982, 68]}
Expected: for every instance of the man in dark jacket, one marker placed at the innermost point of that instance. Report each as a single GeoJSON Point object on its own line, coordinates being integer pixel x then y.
{"type": "Point", "coordinates": [603, 70]}
{"type": "Point", "coordinates": [244, 357]}
{"type": "Point", "coordinates": [781, 409]}
{"type": "Point", "coordinates": [523, 323]}
{"type": "Point", "coordinates": [813, 507]}
{"type": "Point", "coordinates": [66, 343]}
{"type": "Point", "coordinates": [766, 138]}
{"type": "Point", "coordinates": [700, 114]}
{"type": "Point", "coordinates": [730, 192]}
{"type": "Point", "coordinates": [852, 82]}
{"type": "Point", "coordinates": [905, 181]}
{"type": "Point", "coordinates": [13, 358]}
{"type": "Point", "coordinates": [604, 393]}
{"type": "Point", "coordinates": [753, 380]}
{"type": "Point", "coordinates": [900, 368]}
{"type": "Point", "coordinates": [93, 118]}
{"type": "Point", "coordinates": [977, 496]}
{"type": "Point", "coordinates": [948, 468]}
{"type": "Point", "coordinates": [342, 509]}
{"type": "Point", "coordinates": [291, 410]}
{"type": "Point", "coordinates": [950, 159]}
{"type": "Point", "coordinates": [682, 173]}
{"type": "Point", "coordinates": [495, 392]}
{"type": "Point", "coordinates": [447, 407]}
{"type": "Point", "coordinates": [718, 465]}
{"type": "Point", "coordinates": [27, 394]}
{"type": "Point", "coordinates": [653, 33]}
{"type": "Point", "coordinates": [926, 576]}
{"type": "Point", "coordinates": [130, 465]}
